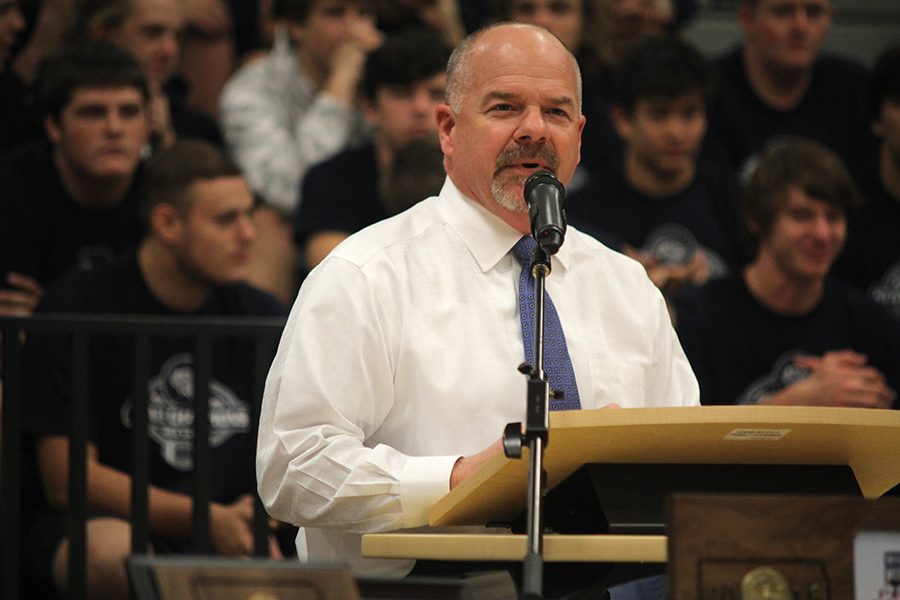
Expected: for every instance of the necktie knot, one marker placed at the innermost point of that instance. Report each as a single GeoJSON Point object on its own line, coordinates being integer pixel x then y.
{"type": "Point", "coordinates": [522, 250]}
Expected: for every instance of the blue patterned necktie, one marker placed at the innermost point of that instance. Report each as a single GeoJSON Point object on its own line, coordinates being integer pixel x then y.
{"type": "Point", "coordinates": [557, 364]}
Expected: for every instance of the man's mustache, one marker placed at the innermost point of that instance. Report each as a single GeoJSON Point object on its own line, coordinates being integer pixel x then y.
{"type": "Point", "coordinates": [527, 153]}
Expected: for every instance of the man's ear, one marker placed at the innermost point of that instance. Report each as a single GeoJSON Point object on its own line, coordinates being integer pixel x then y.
{"type": "Point", "coordinates": [746, 15]}
{"type": "Point", "coordinates": [752, 226]}
{"type": "Point", "coordinates": [370, 111]}
{"type": "Point", "coordinates": [296, 32]}
{"type": "Point", "coordinates": [54, 131]}
{"type": "Point", "coordinates": [877, 127]}
{"type": "Point", "coordinates": [621, 122]}
{"type": "Point", "coordinates": [166, 223]}
{"type": "Point", "coordinates": [446, 123]}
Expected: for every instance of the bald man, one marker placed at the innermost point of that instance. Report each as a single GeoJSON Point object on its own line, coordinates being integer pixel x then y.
{"type": "Point", "coordinates": [397, 371]}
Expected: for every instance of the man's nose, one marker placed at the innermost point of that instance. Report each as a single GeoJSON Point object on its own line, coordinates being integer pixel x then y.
{"type": "Point", "coordinates": [114, 121]}
{"type": "Point", "coordinates": [800, 19]}
{"type": "Point", "coordinates": [532, 126]}
{"type": "Point", "coordinates": [171, 45]}
{"type": "Point", "coordinates": [246, 229]}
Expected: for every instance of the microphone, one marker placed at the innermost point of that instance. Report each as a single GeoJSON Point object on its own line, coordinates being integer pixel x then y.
{"type": "Point", "coordinates": [545, 197]}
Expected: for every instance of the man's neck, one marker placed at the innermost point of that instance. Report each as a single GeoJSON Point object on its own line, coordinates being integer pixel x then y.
{"type": "Point", "coordinates": [780, 294]}
{"type": "Point", "coordinates": [889, 172]}
{"type": "Point", "coordinates": [652, 182]}
{"type": "Point", "coordinates": [167, 280]}
{"type": "Point", "coordinates": [90, 192]}
{"type": "Point", "coordinates": [778, 89]}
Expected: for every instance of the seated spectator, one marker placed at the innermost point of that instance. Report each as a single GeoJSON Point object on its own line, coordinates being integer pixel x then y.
{"type": "Point", "coordinates": [783, 331]}
{"type": "Point", "coordinates": [282, 114]}
{"type": "Point", "coordinates": [674, 212]}
{"type": "Point", "coordinates": [209, 49]}
{"type": "Point", "coordinates": [151, 30]}
{"type": "Point", "coordinates": [403, 83]}
{"type": "Point", "coordinates": [871, 260]}
{"type": "Point", "coordinates": [68, 203]}
{"type": "Point", "coordinates": [779, 82]}
{"type": "Point", "coordinates": [195, 207]}
{"type": "Point", "coordinates": [298, 107]}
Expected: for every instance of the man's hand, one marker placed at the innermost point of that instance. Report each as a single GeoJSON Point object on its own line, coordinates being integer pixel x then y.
{"type": "Point", "coordinates": [348, 60]}
{"type": "Point", "coordinates": [671, 279]}
{"type": "Point", "coordinates": [839, 378]}
{"type": "Point", "coordinates": [231, 529]}
{"type": "Point", "coordinates": [161, 126]}
{"type": "Point", "coordinates": [467, 465]}
{"type": "Point", "coordinates": [208, 17]}
{"type": "Point", "coordinates": [21, 295]}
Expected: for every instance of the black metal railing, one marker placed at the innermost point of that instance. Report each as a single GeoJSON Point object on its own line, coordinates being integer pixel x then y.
{"type": "Point", "coordinates": [262, 332]}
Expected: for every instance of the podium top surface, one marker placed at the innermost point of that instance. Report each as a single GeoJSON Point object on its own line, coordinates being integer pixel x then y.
{"type": "Point", "coordinates": [866, 440]}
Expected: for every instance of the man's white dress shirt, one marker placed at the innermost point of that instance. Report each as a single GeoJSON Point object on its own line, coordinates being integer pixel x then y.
{"type": "Point", "coordinates": [401, 354]}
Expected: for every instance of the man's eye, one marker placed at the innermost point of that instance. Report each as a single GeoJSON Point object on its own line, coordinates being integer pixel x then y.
{"type": "Point", "coordinates": [130, 112]}
{"type": "Point", "coordinates": [92, 112]}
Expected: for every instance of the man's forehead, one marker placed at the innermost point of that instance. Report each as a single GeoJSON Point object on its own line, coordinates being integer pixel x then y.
{"type": "Point", "coordinates": [107, 91]}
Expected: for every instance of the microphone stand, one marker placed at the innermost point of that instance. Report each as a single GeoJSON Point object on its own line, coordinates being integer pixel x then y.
{"type": "Point", "coordinates": [535, 436]}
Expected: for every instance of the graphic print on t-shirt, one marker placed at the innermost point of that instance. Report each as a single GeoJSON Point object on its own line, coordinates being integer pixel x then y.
{"type": "Point", "coordinates": [886, 291]}
{"type": "Point", "coordinates": [674, 244]}
{"type": "Point", "coordinates": [171, 412]}
{"type": "Point", "coordinates": [783, 374]}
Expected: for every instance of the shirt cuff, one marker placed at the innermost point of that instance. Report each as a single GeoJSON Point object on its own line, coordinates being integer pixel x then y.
{"type": "Point", "coordinates": [424, 480]}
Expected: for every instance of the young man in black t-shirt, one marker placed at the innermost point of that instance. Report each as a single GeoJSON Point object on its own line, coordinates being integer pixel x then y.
{"type": "Point", "coordinates": [70, 204]}
{"type": "Point", "coordinates": [783, 331]}
{"type": "Point", "coordinates": [778, 82]}
{"type": "Point", "coordinates": [671, 210]}
{"type": "Point", "coordinates": [192, 261]}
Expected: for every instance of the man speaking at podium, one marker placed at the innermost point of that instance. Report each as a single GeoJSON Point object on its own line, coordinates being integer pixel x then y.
{"type": "Point", "coordinates": [397, 370]}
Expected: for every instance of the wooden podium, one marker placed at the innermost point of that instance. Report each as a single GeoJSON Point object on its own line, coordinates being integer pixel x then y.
{"type": "Point", "coordinates": [865, 441]}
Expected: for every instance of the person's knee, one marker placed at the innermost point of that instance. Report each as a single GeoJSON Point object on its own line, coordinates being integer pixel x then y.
{"type": "Point", "coordinates": [107, 550]}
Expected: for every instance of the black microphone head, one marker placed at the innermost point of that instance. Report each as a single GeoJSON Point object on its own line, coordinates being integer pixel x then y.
{"type": "Point", "coordinates": [545, 197]}
{"type": "Point", "coordinates": [546, 177]}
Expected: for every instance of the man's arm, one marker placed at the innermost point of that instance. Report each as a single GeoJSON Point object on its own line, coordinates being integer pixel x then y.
{"type": "Point", "coordinates": [20, 296]}
{"type": "Point", "coordinates": [109, 492]}
{"type": "Point", "coordinates": [467, 465]}
{"type": "Point", "coordinates": [329, 392]}
{"type": "Point", "coordinates": [840, 378]}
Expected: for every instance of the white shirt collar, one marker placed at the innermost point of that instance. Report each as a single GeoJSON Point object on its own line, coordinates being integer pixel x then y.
{"type": "Point", "coordinates": [488, 237]}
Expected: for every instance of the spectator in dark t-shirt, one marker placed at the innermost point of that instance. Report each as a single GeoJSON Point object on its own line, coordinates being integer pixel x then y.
{"type": "Point", "coordinates": [673, 212]}
{"type": "Point", "coordinates": [779, 82]}
{"type": "Point", "coordinates": [151, 31]}
{"type": "Point", "coordinates": [69, 204]}
{"type": "Point", "coordinates": [871, 260]}
{"type": "Point", "coordinates": [192, 260]}
{"type": "Point", "coordinates": [403, 82]}
{"type": "Point", "coordinates": [783, 331]}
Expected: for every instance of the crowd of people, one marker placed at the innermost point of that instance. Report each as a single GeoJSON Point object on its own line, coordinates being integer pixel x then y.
{"type": "Point", "coordinates": [363, 162]}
